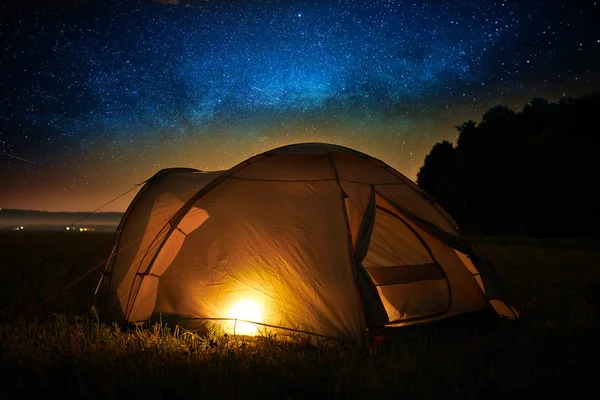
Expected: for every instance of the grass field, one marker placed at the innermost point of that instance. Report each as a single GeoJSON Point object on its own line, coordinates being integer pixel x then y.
{"type": "Point", "coordinates": [61, 349]}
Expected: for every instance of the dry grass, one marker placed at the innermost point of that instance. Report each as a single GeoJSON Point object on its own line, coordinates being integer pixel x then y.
{"type": "Point", "coordinates": [66, 351]}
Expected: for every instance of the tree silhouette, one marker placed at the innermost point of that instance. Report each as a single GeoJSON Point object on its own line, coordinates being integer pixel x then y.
{"type": "Point", "coordinates": [526, 173]}
{"type": "Point", "coordinates": [467, 136]}
{"type": "Point", "coordinates": [438, 170]}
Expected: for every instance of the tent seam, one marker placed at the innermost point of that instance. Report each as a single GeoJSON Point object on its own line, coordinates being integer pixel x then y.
{"type": "Point", "coordinates": [361, 310]}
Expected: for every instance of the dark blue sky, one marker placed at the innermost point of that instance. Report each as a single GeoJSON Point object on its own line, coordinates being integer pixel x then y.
{"type": "Point", "coordinates": [96, 96]}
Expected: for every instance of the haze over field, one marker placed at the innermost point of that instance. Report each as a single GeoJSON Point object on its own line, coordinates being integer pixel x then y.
{"type": "Point", "coordinates": [11, 219]}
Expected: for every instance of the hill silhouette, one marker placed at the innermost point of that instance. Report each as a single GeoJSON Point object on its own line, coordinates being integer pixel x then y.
{"type": "Point", "coordinates": [531, 172]}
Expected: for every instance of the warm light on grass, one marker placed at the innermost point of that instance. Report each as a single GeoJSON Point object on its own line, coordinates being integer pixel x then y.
{"type": "Point", "coordinates": [245, 310]}
{"type": "Point", "coordinates": [68, 352]}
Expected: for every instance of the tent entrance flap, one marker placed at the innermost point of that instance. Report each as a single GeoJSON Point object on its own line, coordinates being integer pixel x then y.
{"type": "Point", "coordinates": [409, 281]}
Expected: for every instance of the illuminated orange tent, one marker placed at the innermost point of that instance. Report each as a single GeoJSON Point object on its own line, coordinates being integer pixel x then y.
{"type": "Point", "coordinates": [309, 237]}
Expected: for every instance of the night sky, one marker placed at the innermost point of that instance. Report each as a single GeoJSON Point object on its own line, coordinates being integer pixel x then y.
{"type": "Point", "coordinates": [97, 96]}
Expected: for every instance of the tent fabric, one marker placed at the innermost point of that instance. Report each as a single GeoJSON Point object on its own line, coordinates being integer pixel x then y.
{"type": "Point", "coordinates": [311, 237]}
{"type": "Point", "coordinates": [157, 200]}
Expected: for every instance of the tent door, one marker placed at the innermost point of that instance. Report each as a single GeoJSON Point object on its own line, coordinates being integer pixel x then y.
{"type": "Point", "coordinates": [410, 283]}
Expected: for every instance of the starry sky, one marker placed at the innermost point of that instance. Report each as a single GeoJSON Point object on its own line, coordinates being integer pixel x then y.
{"type": "Point", "coordinates": [96, 96]}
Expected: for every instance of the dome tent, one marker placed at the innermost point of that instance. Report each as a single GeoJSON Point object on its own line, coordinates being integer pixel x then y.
{"type": "Point", "coordinates": [311, 237]}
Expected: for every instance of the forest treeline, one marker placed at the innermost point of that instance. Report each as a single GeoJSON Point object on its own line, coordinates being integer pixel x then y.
{"type": "Point", "coordinates": [527, 173]}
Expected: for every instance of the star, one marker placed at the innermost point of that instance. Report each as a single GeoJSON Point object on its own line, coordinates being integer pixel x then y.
{"type": "Point", "coordinates": [141, 86]}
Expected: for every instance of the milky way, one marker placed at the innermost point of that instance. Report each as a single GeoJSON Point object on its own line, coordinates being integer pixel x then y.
{"type": "Point", "coordinates": [97, 97]}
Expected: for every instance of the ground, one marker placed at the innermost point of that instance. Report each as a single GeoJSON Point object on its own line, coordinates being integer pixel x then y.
{"type": "Point", "coordinates": [61, 349]}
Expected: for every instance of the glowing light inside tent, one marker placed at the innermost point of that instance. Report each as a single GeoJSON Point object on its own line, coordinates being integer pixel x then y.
{"type": "Point", "coordinates": [246, 310]}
